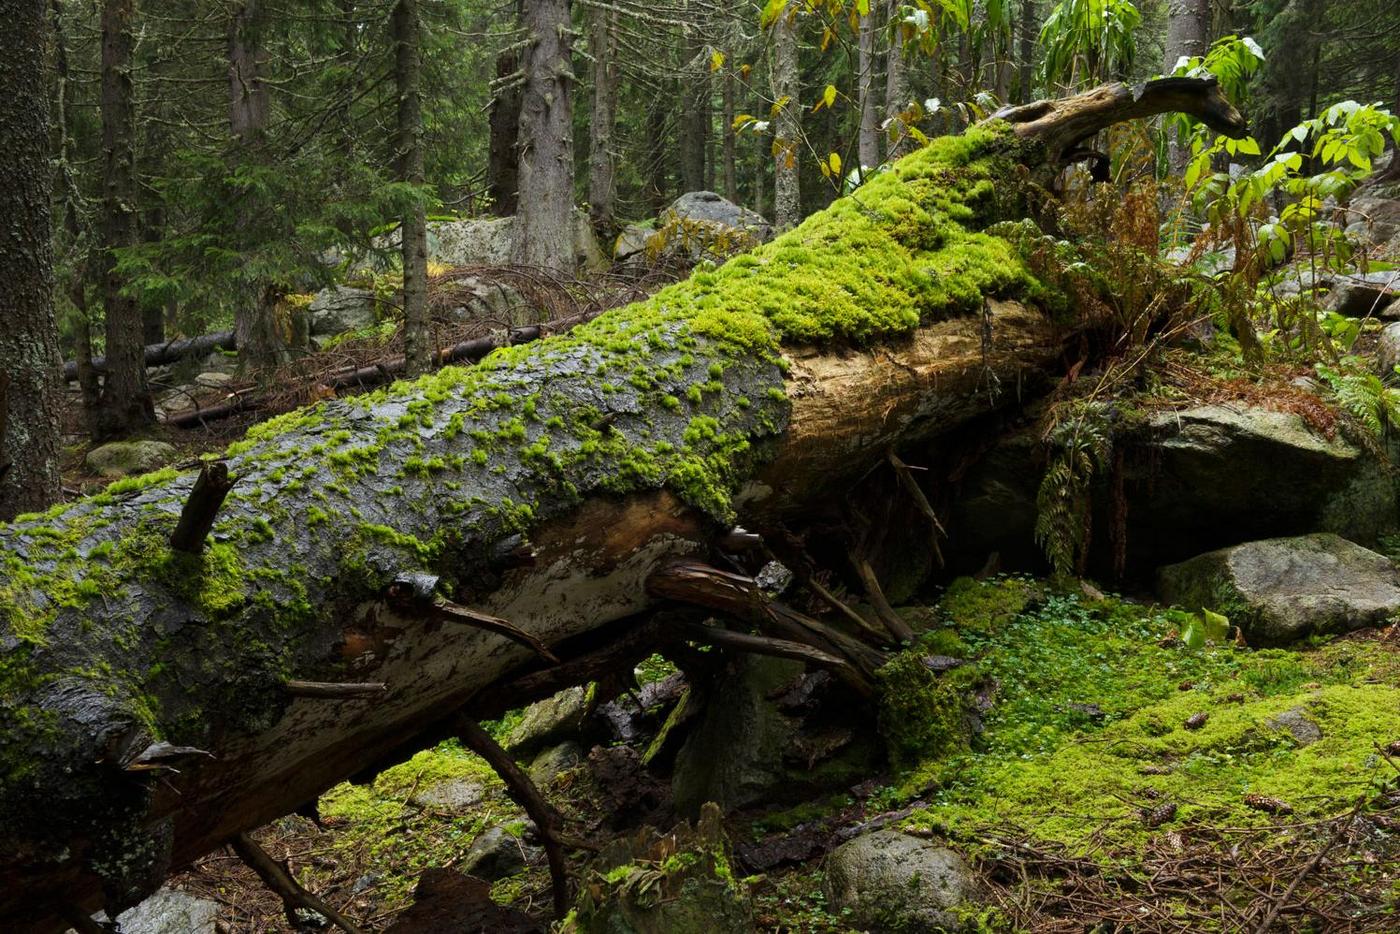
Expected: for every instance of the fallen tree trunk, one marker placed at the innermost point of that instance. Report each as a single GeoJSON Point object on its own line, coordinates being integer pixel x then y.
{"type": "Point", "coordinates": [171, 351]}
{"type": "Point", "coordinates": [150, 707]}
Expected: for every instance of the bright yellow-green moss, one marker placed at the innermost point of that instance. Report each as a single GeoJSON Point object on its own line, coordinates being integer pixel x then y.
{"type": "Point", "coordinates": [1087, 727]}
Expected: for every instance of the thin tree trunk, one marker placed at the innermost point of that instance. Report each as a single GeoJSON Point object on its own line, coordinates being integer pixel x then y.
{"type": "Point", "coordinates": [408, 40]}
{"type": "Point", "coordinates": [126, 399]}
{"type": "Point", "coordinates": [731, 179]}
{"type": "Point", "coordinates": [694, 88]}
{"type": "Point", "coordinates": [869, 144]}
{"type": "Point", "coordinates": [896, 89]}
{"type": "Point", "coordinates": [1188, 36]}
{"type": "Point", "coordinates": [763, 159]}
{"type": "Point", "coordinates": [503, 160]}
{"type": "Point", "coordinates": [544, 226]}
{"type": "Point", "coordinates": [602, 168]}
{"type": "Point", "coordinates": [30, 391]}
{"type": "Point", "coordinates": [787, 195]}
{"type": "Point", "coordinates": [1029, 29]}
{"type": "Point", "coordinates": [261, 343]}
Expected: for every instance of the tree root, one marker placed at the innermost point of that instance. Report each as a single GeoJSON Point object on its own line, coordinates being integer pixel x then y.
{"type": "Point", "coordinates": [277, 878]}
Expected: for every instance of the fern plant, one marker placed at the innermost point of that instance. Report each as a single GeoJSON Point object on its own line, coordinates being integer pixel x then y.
{"type": "Point", "coordinates": [1080, 447]}
{"type": "Point", "coordinates": [1365, 398]}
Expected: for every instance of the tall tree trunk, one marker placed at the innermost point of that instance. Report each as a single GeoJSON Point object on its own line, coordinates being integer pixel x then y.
{"type": "Point", "coordinates": [503, 159]}
{"type": "Point", "coordinates": [607, 76]}
{"type": "Point", "coordinates": [869, 143]}
{"type": "Point", "coordinates": [30, 390]}
{"type": "Point", "coordinates": [261, 343]}
{"type": "Point", "coordinates": [694, 90]}
{"type": "Point", "coordinates": [787, 195]}
{"type": "Point", "coordinates": [408, 40]}
{"type": "Point", "coordinates": [1188, 35]}
{"type": "Point", "coordinates": [1025, 67]}
{"type": "Point", "coordinates": [126, 399]}
{"type": "Point", "coordinates": [544, 229]}
{"type": "Point", "coordinates": [731, 179]}
{"type": "Point", "coordinates": [896, 88]}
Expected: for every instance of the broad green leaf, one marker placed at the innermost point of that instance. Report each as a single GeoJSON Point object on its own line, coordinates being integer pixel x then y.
{"type": "Point", "coordinates": [1217, 625]}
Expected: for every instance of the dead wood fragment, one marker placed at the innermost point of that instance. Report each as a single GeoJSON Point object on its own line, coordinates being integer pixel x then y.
{"type": "Point", "coordinates": [416, 593]}
{"type": "Point", "coordinates": [82, 922]}
{"type": "Point", "coordinates": [702, 585]}
{"type": "Point", "coordinates": [331, 690]}
{"type": "Point", "coordinates": [547, 820]}
{"type": "Point", "coordinates": [780, 648]}
{"type": "Point", "coordinates": [911, 486]}
{"type": "Point", "coordinates": [891, 620]}
{"type": "Point", "coordinates": [202, 507]}
{"type": "Point", "coordinates": [276, 877]}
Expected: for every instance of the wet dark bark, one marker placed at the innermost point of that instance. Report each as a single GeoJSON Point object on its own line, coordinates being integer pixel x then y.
{"type": "Point", "coordinates": [607, 80]}
{"type": "Point", "coordinates": [30, 400]}
{"type": "Point", "coordinates": [126, 404]}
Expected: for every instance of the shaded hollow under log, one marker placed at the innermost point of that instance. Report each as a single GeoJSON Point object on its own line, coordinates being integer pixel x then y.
{"type": "Point", "coordinates": [543, 487]}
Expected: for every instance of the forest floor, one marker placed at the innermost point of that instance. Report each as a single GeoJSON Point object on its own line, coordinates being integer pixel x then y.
{"type": "Point", "coordinates": [1086, 800]}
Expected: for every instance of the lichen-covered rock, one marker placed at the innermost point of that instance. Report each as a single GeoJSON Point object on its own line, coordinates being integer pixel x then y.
{"type": "Point", "coordinates": [497, 853]}
{"type": "Point", "coordinates": [455, 794]}
{"type": "Point", "coordinates": [171, 911]}
{"type": "Point", "coordinates": [1296, 723]}
{"type": "Point", "coordinates": [547, 722]}
{"type": "Point", "coordinates": [340, 308]}
{"type": "Point", "coordinates": [1285, 589]}
{"type": "Point", "coordinates": [554, 760]}
{"type": "Point", "coordinates": [125, 458]}
{"type": "Point", "coordinates": [1388, 345]}
{"type": "Point", "coordinates": [488, 241]}
{"type": "Point", "coordinates": [892, 882]}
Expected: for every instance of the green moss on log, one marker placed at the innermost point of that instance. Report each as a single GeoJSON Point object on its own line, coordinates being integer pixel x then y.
{"type": "Point", "coordinates": [101, 625]}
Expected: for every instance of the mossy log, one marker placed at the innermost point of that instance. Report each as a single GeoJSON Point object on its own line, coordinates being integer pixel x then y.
{"type": "Point", "coordinates": [146, 716]}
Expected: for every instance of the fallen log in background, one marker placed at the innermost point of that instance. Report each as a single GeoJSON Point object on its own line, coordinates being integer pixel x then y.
{"type": "Point", "coordinates": [543, 488]}
{"type": "Point", "coordinates": [171, 351]}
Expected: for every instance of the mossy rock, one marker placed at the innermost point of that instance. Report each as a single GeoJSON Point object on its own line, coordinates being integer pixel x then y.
{"type": "Point", "coordinates": [128, 458]}
{"type": "Point", "coordinates": [891, 882]}
{"type": "Point", "coordinates": [1285, 589]}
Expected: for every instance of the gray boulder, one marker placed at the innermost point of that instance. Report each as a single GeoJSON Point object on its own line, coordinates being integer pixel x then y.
{"type": "Point", "coordinates": [632, 242]}
{"type": "Point", "coordinates": [170, 911]}
{"type": "Point", "coordinates": [125, 458]}
{"type": "Point", "coordinates": [488, 241]}
{"type": "Point", "coordinates": [456, 794]}
{"type": "Point", "coordinates": [554, 760]}
{"type": "Point", "coordinates": [477, 298]}
{"type": "Point", "coordinates": [699, 225]}
{"type": "Point", "coordinates": [1363, 294]}
{"type": "Point", "coordinates": [548, 722]}
{"type": "Point", "coordinates": [340, 308]}
{"type": "Point", "coordinates": [495, 854]}
{"type": "Point", "coordinates": [1285, 589]}
{"type": "Point", "coordinates": [1295, 723]}
{"type": "Point", "coordinates": [1388, 346]}
{"type": "Point", "coordinates": [892, 882]}
{"type": "Point", "coordinates": [734, 754]}
{"type": "Point", "coordinates": [1373, 215]}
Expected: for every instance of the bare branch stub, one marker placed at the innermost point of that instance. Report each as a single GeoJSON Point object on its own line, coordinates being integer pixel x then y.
{"type": "Point", "coordinates": [415, 593]}
{"type": "Point", "coordinates": [276, 877]}
{"type": "Point", "coordinates": [779, 648]}
{"type": "Point", "coordinates": [547, 820]}
{"type": "Point", "coordinates": [202, 508]}
{"type": "Point", "coordinates": [331, 690]}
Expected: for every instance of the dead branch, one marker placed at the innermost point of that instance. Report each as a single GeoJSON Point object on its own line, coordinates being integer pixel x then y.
{"type": "Point", "coordinates": [202, 507]}
{"type": "Point", "coordinates": [329, 690]}
{"type": "Point", "coordinates": [277, 878]}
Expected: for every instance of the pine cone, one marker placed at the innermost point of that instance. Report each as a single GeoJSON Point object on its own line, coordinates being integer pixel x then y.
{"type": "Point", "coordinates": [1267, 804]}
{"type": "Point", "coordinates": [1196, 720]}
{"type": "Point", "coordinates": [1156, 817]}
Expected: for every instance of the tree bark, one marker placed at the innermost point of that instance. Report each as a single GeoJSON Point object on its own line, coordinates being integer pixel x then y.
{"type": "Point", "coordinates": [1025, 67]}
{"type": "Point", "coordinates": [694, 92]}
{"type": "Point", "coordinates": [261, 343]}
{"type": "Point", "coordinates": [525, 489]}
{"type": "Point", "coordinates": [503, 160]}
{"type": "Point", "coordinates": [544, 229]}
{"type": "Point", "coordinates": [30, 404]}
{"type": "Point", "coordinates": [787, 141]}
{"type": "Point", "coordinates": [126, 403]}
{"type": "Point", "coordinates": [607, 80]}
{"type": "Point", "coordinates": [731, 168]}
{"type": "Point", "coordinates": [869, 143]}
{"type": "Point", "coordinates": [898, 141]}
{"type": "Point", "coordinates": [407, 29]}
{"type": "Point", "coordinates": [1188, 36]}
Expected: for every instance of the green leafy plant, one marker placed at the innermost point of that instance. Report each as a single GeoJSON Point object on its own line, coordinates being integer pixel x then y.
{"type": "Point", "coordinates": [1088, 41]}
